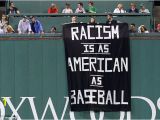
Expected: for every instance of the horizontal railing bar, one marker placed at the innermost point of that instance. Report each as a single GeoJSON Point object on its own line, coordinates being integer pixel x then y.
{"type": "Point", "coordinates": [79, 15]}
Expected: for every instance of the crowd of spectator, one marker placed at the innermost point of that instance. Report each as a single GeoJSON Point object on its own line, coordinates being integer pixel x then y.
{"type": "Point", "coordinates": [32, 25]}
{"type": "Point", "coordinates": [80, 9]}
{"type": "Point", "coordinates": [92, 9]}
{"type": "Point", "coordinates": [132, 9]}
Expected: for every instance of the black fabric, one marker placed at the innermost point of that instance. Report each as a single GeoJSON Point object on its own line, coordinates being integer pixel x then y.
{"type": "Point", "coordinates": [91, 84]}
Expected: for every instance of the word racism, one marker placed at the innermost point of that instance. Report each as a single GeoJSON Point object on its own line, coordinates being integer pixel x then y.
{"type": "Point", "coordinates": [98, 66]}
{"type": "Point", "coordinates": [103, 32]}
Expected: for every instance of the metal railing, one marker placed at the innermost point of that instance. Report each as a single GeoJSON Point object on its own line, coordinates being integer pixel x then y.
{"type": "Point", "coordinates": [59, 36]}
{"type": "Point", "coordinates": [79, 15]}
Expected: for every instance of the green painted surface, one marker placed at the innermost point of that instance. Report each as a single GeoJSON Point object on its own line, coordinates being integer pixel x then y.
{"type": "Point", "coordinates": [36, 68]}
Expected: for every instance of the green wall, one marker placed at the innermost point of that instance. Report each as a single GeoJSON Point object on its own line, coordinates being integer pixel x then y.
{"type": "Point", "coordinates": [37, 68]}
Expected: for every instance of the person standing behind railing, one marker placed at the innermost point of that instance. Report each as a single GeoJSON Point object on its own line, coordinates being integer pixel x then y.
{"type": "Point", "coordinates": [74, 19]}
{"type": "Point", "coordinates": [142, 29]}
{"type": "Point", "coordinates": [12, 9]}
{"type": "Point", "coordinates": [143, 9]}
{"type": "Point", "coordinates": [2, 30]}
{"type": "Point", "coordinates": [110, 20]}
{"type": "Point", "coordinates": [132, 28]}
{"type": "Point", "coordinates": [53, 8]}
{"type": "Point", "coordinates": [92, 20]}
{"type": "Point", "coordinates": [3, 21]}
{"type": "Point", "coordinates": [133, 8]}
{"type": "Point", "coordinates": [5, 27]}
{"type": "Point", "coordinates": [24, 26]}
{"type": "Point", "coordinates": [91, 7]}
{"type": "Point", "coordinates": [67, 9]}
{"type": "Point", "coordinates": [157, 28]}
{"type": "Point", "coordinates": [53, 29]}
{"type": "Point", "coordinates": [36, 25]}
{"type": "Point", "coordinates": [119, 9]}
{"type": "Point", "coordinates": [80, 8]}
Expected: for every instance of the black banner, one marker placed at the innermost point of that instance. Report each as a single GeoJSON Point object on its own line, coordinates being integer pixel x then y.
{"type": "Point", "coordinates": [98, 66]}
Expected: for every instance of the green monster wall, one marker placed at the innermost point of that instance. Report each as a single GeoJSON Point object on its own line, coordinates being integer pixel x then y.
{"type": "Point", "coordinates": [35, 67]}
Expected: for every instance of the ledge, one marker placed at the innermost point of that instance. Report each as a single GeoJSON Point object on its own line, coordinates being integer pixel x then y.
{"type": "Point", "coordinates": [58, 36]}
{"type": "Point", "coordinates": [79, 15]}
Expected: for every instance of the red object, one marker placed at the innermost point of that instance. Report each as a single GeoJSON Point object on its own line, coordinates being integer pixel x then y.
{"type": "Point", "coordinates": [52, 10]}
{"type": "Point", "coordinates": [158, 25]}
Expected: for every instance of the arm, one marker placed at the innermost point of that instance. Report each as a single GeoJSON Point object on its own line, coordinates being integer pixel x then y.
{"type": "Point", "coordinates": [19, 27]}
{"type": "Point", "coordinates": [71, 11]}
{"type": "Point", "coordinates": [115, 11]}
{"type": "Point", "coordinates": [92, 10]}
{"type": "Point", "coordinates": [84, 10]}
{"type": "Point", "coordinates": [76, 10]}
{"type": "Point", "coordinates": [29, 28]}
{"type": "Point", "coordinates": [147, 11]}
{"type": "Point", "coordinates": [56, 10]}
{"type": "Point", "coordinates": [11, 28]}
{"type": "Point", "coordinates": [49, 11]}
{"type": "Point", "coordinates": [17, 11]}
{"type": "Point", "coordinates": [63, 11]}
{"type": "Point", "coordinates": [40, 27]}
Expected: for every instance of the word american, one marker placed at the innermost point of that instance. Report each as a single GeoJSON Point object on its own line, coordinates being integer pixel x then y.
{"type": "Point", "coordinates": [96, 64]}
